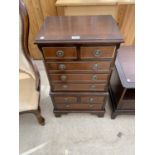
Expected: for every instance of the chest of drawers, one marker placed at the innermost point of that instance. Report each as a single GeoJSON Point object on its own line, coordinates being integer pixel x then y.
{"type": "Point", "coordinates": [79, 53]}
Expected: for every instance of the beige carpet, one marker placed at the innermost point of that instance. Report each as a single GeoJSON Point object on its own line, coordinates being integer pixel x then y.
{"type": "Point", "coordinates": [74, 134]}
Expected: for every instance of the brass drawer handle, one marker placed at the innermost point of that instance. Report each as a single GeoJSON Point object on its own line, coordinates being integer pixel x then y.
{"type": "Point", "coordinates": [93, 86]}
{"type": "Point", "coordinates": [65, 86]}
{"type": "Point", "coordinates": [67, 105]}
{"type": "Point", "coordinates": [65, 99]}
{"type": "Point", "coordinates": [62, 67]}
{"type": "Point", "coordinates": [91, 105]}
{"type": "Point", "coordinates": [95, 67]}
{"type": "Point", "coordinates": [60, 53]}
{"type": "Point", "coordinates": [94, 77]}
{"type": "Point", "coordinates": [91, 100]}
{"type": "Point", "coordinates": [63, 78]}
{"type": "Point", "coordinates": [97, 53]}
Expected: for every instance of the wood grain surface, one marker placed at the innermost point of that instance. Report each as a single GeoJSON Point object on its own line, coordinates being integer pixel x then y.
{"type": "Point", "coordinates": [38, 10]}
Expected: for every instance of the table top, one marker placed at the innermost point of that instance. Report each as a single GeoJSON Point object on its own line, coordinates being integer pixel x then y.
{"type": "Point", "coordinates": [63, 29]}
{"type": "Point", "coordinates": [125, 65]}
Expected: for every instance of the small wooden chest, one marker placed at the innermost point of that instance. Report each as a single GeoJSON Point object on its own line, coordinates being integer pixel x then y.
{"type": "Point", "coordinates": [79, 53]}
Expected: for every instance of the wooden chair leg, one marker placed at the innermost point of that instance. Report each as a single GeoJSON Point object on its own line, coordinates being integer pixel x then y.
{"type": "Point", "coordinates": [39, 109]}
{"type": "Point", "coordinates": [39, 117]}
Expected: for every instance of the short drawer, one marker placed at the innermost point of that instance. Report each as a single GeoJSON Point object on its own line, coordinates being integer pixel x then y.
{"type": "Point", "coordinates": [78, 66]}
{"type": "Point", "coordinates": [78, 106]}
{"type": "Point", "coordinates": [59, 53]}
{"type": "Point", "coordinates": [78, 78]}
{"type": "Point", "coordinates": [79, 87]}
{"type": "Point", "coordinates": [66, 99]}
{"type": "Point", "coordinates": [99, 52]}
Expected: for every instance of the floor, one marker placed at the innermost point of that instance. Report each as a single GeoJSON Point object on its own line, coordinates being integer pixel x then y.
{"type": "Point", "coordinates": [74, 134]}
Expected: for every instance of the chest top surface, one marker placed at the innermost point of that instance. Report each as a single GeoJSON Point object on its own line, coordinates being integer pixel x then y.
{"type": "Point", "coordinates": [76, 29]}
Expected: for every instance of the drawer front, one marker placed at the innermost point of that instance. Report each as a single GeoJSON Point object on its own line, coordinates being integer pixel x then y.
{"type": "Point", "coordinates": [79, 87]}
{"type": "Point", "coordinates": [92, 99]}
{"type": "Point", "coordinates": [78, 106]}
{"type": "Point", "coordinates": [66, 99]}
{"type": "Point", "coordinates": [79, 101]}
{"type": "Point", "coordinates": [97, 52]}
{"type": "Point", "coordinates": [60, 53]}
{"type": "Point", "coordinates": [79, 66]}
{"type": "Point", "coordinates": [78, 78]}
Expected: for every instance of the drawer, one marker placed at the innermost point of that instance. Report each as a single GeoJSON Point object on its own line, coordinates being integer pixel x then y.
{"type": "Point", "coordinates": [78, 78]}
{"type": "Point", "coordinates": [93, 99]}
{"type": "Point", "coordinates": [78, 106]}
{"type": "Point", "coordinates": [100, 52]}
{"type": "Point", "coordinates": [65, 99]}
{"type": "Point", "coordinates": [79, 101]}
{"type": "Point", "coordinates": [59, 53]}
{"type": "Point", "coordinates": [79, 87]}
{"type": "Point", "coordinates": [78, 66]}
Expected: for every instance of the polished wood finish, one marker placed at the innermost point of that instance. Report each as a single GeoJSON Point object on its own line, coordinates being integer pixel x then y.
{"type": "Point", "coordinates": [78, 29]}
{"type": "Point", "coordinates": [76, 106]}
{"type": "Point", "coordinates": [26, 52]}
{"type": "Point", "coordinates": [79, 102]}
{"type": "Point", "coordinates": [80, 95]}
{"type": "Point", "coordinates": [79, 87]}
{"type": "Point", "coordinates": [79, 66]}
{"type": "Point", "coordinates": [125, 64]}
{"type": "Point", "coordinates": [25, 36]}
{"type": "Point", "coordinates": [81, 99]}
{"type": "Point", "coordinates": [123, 11]}
{"type": "Point", "coordinates": [60, 53]}
{"type": "Point", "coordinates": [92, 99]}
{"type": "Point", "coordinates": [91, 78]}
{"type": "Point", "coordinates": [79, 81]}
{"type": "Point", "coordinates": [68, 99]}
{"type": "Point", "coordinates": [122, 91]}
{"type": "Point", "coordinates": [97, 52]}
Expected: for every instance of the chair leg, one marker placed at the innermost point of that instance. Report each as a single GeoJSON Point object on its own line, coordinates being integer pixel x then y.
{"type": "Point", "coordinates": [39, 109]}
{"type": "Point", "coordinates": [39, 117]}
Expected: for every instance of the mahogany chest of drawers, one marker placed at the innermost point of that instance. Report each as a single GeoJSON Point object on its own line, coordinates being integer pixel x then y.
{"type": "Point", "coordinates": [79, 53]}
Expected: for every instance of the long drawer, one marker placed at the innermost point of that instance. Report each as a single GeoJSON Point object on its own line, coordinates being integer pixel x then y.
{"type": "Point", "coordinates": [79, 106]}
{"type": "Point", "coordinates": [79, 87]}
{"type": "Point", "coordinates": [81, 99]}
{"type": "Point", "coordinates": [82, 78]}
{"type": "Point", "coordinates": [78, 102]}
{"type": "Point", "coordinates": [78, 66]}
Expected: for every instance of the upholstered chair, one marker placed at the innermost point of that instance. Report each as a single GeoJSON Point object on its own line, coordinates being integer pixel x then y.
{"type": "Point", "coordinates": [29, 78]}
